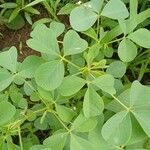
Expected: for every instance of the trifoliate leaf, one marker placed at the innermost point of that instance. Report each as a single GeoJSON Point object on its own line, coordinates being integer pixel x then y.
{"type": "Point", "coordinates": [82, 18]}
{"type": "Point", "coordinates": [65, 113]}
{"type": "Point", "coordinates": [56, 141]}
{"type": "Point", "coordinates": [105, 83]}
{"type": "Point", "coordinates": [7, 111]}
{"type": "Point", "coordinates": [57, 27]}
{"type": "Point", "coordinates": [78, 143]}
{"type": "Point", "coordinates": [73, 44]}
{"type": "Point", "coordinates": [93, 103]}
{"type": "Point", "coordinates": [139, 94]}
{"type": "Point", "coordinates": [71, 85]}
{"type": "Point", "coordinates": [141, 37]}
{"type": "Point", "coordinates": [83, 124]}
{"type": "Point", "coordinates": [96, 138]}
{"type": "Point", "coordinates": [29, 66]}
{"type": "Point", "coordinates": [50, 75]}
{"type": "Point", "coordinates": [118, 128]}
{"type": "Point", "coordinates": [43, 40]}
{"type": "Point", "coordinates": [142, 114]}
{"type": "Point", "coordinates": [117, 69]}
{"type": "Point", "coordinates": [8, 59]}
{"type": "Point", "coordinates": [127, 50]}
{"type": "Point", "coordinates": [115, 9]}
{"type": "Point", "coordinates": [5, 79]}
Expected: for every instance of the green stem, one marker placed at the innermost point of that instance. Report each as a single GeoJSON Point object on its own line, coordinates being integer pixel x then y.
{"type": "Point", "coordinates": [115, 40]}
{"type": "Point", "coordinates": [61, 122]}
{"type": "Point", "coordinates": [35, 92]}
{"type": "Point", "coordinates": [120, 103]}
{"type": "Point", "coordinates": [20, 139]}
{"type": "Point", "coordinates": [69, 62]}
{"type": "Point", "coordinates": [98, 24]}
{"type": "Point", "coordinates": [19, 122]}
{"type": "Point", "coordinates": [22, 3]}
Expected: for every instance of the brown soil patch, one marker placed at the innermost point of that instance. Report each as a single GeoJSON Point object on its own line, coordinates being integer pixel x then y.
{"type": "Point", "coordinates": [18, 38]}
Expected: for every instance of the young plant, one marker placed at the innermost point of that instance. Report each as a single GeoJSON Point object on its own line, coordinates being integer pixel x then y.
{"type": "Point", "coordinates": [77, 94]}
{"type": "Point", "coordinates": [11, 12]}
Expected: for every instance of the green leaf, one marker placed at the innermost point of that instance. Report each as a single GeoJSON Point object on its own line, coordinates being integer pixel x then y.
{"type": "Point", "coordinates": [46, 95]}
{"type": "Point", "coordinates": [96, 138]}
{"type": "Point", "coordinates": [7, 111]}
{"type": "Point", "coordinates": [29, 66]}
{"type": "Point", "coordinates": [118, 128]}
{"type": "Point", "coordinates": [12, 146]}
{"type": "Point", "coordinates": [73, 44]}
{"type": "Point", "coordinates": [27, 89]}
{"type": "Point", "coordinates": [67, 9]}
{"type": "Point", "coordinates": [128, 26]}
{"type": "Point", "coordinates": [43, 40]}
{"type": "Point", "coordinates": [71, 85]}
{"type": "Point", "coordinates": [141, 37]}
{"type": "Point", "coordinates": [17, 20]}
{"type": "Point", "coordinates": [65, 113]}
{"type": "Point", "coordinates": [57, 27]}
{"type": "Point", "coordinates": [56, 141]}
{"type": "Point", "coordinates": [137, 132]}
{"type": "Point", "coordinates": [39, 147]}
{"type": "Point", "coordinates": [41, 21]}
{"type": "Point", "coordinates": [117, 69]}
{"type": "Point", "coordinates": [40, 125]}
{"type": "Point", "coordinates": [14, 14]}
{"type": "Point", "coordinates": [95, 5]}
{"type": "Point", "coordinates": [140, 104]}
{"type": "Point", "coordinates": [115, 9]}
{"type": "Point", "coordinates": [33, 3]}
{"type": "Point", "coordinates": [28, 18]}
{"type": "Point", "coordinates": [82, 18]}
{"type": "Point", "coordinates": [78, 143]}
{"type": "Point", "coordinates": [93, 103]}
{"type": "Point", "coordinates": [91, 33]}
{"type": "Point", "coordinates": [83, 124]}
{"type": "Point", "coordinates": [50, 75]}
{"type": "Point", "coordinates": [139, 94]}
{"type": "Point", "coordinates": [8, 59]}
{"type": "Point", "coordinates": [5, 79]}
{"type": "Point", "coordinates": [124, 98]}
{"type": "Point", "coordinates": [105, 83]}
{"type": "Point", "coordinates": [32, 11]}
{"type": "Point", "coordinates": [142, 114]}
{"type": "Point", "coordinates": [127, 50]}
{"type": "Point", "coordinates": [8, 5]}
{"type": "Point", "coordinates": [34, 97]}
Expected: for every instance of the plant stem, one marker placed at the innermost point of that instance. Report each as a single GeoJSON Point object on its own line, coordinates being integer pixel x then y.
{"type": "Point", "coordinates": [69, 62]}
{"type": "Point", "coordinates": [22, 3]}
{"type": "Point", "coordinates": [20, 139]}
{"type": "Point", "coordinates": [35, 92]}
{"type": "Point", "coordinates": [61, 122]}
{"type": "Point", "coordinates": [120, 102]}
{"type": "Point", "coordinates": [115, 40]}
{"type": "Point", "coordinates": [18, 122]}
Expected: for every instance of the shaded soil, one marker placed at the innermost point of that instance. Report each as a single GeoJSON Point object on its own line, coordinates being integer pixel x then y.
{"type": "Point", "coordinates": [18, 38]}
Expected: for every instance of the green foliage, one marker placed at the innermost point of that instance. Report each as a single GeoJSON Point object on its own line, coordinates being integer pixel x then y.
{"type": "Point", "coordinates": [12, 13]}
{"type": "Point", "coordinates": [82, 92]}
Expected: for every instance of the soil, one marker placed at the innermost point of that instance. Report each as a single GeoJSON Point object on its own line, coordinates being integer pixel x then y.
{"type": "Point", "coordinates": [18, 38]}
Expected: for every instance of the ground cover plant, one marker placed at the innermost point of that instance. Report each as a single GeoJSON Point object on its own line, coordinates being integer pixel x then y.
{"type": "Point", "coordinates": [87, 87]}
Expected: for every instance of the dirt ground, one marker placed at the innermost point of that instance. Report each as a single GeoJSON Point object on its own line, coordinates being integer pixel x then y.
{"type": "Point", "coordinates": [18, 38]}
